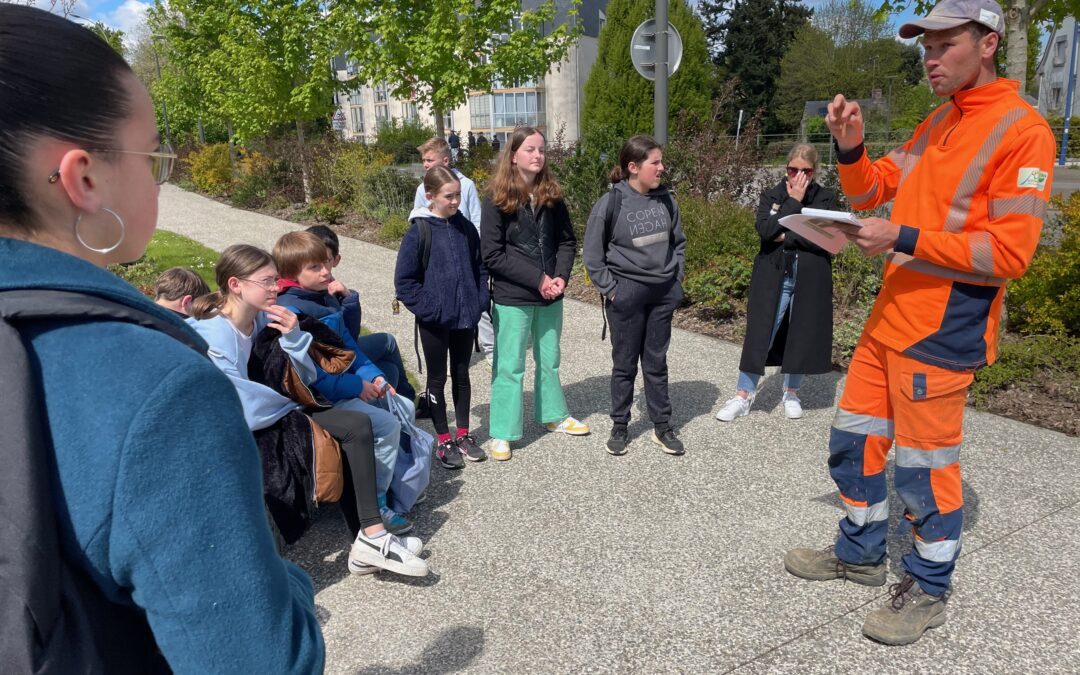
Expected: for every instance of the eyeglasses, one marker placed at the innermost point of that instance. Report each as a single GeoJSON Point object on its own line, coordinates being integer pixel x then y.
{"type": "Point", "coordinates": [161, 160]}
{"type": "Point", "coordinates": [795, 171]}
{"type": "Point", "coordinates": [268, 284]}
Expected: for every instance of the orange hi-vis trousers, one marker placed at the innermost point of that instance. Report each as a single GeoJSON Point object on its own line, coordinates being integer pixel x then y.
{"type": "Point", "coordinates": [888, 396]}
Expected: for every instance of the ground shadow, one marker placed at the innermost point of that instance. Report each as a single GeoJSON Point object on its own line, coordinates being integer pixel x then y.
{"type": "Point", "coordinates": [817, 391]}
{"type": "Point", "coordinates": [899, 539]}
{"type": "Point", "coordinates": [452, 650]}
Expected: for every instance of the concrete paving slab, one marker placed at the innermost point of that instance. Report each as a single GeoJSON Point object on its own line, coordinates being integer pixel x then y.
{"type": "Point", "coordinates": [566, 559]}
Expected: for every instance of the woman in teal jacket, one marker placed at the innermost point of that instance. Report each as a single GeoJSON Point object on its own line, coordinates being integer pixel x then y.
{"type": "Point", "coordinates": [155, 476]}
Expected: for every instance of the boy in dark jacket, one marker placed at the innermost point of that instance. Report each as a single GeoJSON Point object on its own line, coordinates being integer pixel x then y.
{"type": "Point", "coordinates": [305, 276]}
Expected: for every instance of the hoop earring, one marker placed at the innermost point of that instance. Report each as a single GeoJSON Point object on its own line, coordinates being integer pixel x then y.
{"type": "Point", "coordinates": [108, 249]}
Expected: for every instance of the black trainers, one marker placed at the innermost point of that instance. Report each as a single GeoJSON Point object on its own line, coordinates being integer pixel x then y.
{"type": "Point", "coordinates": [470, 449]}
{"type": "Point", "coordinates": [619, 439]}
{"type": "Point", "coordinates": [449, 455]}
{"type": "Point", "coordinates": [665, 438]}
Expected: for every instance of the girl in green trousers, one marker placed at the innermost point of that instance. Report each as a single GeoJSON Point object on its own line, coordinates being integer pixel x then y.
{"type": "Point", "coordinates": [528, 246]}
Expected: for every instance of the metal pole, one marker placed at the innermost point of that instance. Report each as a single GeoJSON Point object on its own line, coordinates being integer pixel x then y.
{"type": "Point", "coordinates": [738, 130]}
{"type": "Point", "coordinates": [660, 95]}
{"type": "Point", "coordinates": [164, 104]}
{"type": "Point", "coordinates": [1069, 94]}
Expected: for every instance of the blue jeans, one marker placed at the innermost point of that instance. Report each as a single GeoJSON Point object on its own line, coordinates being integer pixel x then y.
{"type": "Point", "coordinates": [748, 381]}
{"type": "Point", "coordinates": [382, 349]}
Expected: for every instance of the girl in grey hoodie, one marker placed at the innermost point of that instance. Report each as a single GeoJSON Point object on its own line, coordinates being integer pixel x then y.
{"type": "Point", "coordinates": [635, 253]}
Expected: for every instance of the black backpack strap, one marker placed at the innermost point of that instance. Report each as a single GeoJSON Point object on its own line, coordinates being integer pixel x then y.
{"type": "Point", "coordinates": [423, 228]}
{"type": "Point", "coordinates": [613, 203]}
{"type": "Point", "coordinates": [48, 305]}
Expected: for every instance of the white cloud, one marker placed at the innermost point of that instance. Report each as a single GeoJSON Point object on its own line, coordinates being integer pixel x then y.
{"type": "Point", "coordinates": [127, 17]}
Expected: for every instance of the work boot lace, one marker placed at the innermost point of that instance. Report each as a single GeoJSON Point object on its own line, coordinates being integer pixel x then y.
{"type": "Point", "coordinates": [841, 566]}
{"type": "Point", "coordinates": [902, 592]}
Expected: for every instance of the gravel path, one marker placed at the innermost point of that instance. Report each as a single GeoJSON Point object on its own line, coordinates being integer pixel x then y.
{"type": "Point", "coordinates": [566, 559]}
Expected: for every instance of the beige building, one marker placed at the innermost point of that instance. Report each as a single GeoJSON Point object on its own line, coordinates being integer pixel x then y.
{"type": "Point", "coordinates": [553, 104]}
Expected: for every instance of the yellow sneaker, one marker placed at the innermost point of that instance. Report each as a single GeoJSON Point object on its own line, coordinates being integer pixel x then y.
{"type": "Point", "coordinates": [499, 449]}
{"type": "Point", "coordinates": [569, 426]}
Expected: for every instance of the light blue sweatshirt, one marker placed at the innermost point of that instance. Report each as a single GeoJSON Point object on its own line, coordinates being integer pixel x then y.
{"type": "Point", "coordinates": [230, 350]}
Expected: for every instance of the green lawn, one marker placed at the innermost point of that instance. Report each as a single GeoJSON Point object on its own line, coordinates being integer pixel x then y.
{"type": "Point", "coordinates": [166, 250]}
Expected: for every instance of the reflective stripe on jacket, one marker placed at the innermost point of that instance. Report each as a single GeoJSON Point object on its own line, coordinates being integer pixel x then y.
{"type": "Point", "coordinates": [971, 187]}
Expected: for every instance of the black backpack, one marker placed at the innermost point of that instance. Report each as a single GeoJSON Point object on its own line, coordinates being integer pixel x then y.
{"type": "Point", "coordinates": [54, 617]}
{"type": "Point", "coordinates": [613, 204]}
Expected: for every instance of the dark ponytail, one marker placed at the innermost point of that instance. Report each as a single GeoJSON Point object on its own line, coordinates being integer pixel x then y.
{"type": "Point", "coordinates": [58, 80]}
{"type": "Point", "coordinates": [635, 150]}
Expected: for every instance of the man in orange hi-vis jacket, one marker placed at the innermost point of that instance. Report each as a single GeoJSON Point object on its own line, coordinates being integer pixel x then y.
{"type": "Point", "coordinates": [969, 192]}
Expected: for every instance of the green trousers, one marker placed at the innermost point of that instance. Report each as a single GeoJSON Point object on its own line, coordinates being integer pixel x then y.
{"type": "Point", "coordinates": [513, 326]}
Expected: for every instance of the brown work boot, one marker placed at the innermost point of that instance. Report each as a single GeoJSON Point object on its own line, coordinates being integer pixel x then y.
{"type": "Point", "coordinates": [905, 617]}
{"type": "Point", "coordinates": [824, 565]}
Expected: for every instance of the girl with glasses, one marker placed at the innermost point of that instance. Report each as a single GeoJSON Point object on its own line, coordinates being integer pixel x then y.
{"type": "Point", "coordinates": [789, 315]}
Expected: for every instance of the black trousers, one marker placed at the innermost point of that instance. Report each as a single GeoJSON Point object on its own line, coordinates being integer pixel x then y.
{"type": "Point", "coordinates": [359, 498]}
{"type": "Point", "coordinates": [640, 320]}
{"type": "Point", "coordinates": [438, 342]}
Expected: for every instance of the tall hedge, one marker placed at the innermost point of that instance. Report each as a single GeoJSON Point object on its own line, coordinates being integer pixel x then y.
{"type": "Point", "coordinates": [620, 100]}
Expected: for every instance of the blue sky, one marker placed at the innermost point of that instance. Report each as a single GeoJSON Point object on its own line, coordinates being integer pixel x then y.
{"type": "Point", "coordinates": [127, 14]}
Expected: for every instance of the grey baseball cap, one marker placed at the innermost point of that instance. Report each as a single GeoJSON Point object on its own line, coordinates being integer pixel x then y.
{"type": "Point", "coordinates": [952, 13]}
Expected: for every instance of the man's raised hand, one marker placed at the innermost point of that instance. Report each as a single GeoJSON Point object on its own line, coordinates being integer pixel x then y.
{"type": "Point", "coordinates": [845, 122]}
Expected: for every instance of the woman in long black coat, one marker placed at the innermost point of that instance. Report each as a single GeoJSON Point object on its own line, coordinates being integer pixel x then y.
{"type": "Point", "coordinates": [789, 317]}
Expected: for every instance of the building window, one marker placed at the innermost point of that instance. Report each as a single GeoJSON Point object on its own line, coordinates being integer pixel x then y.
{"type": "Point", "coordinates": [507, 109]}
{"type": "Point", "coordinates": [1055, 97]}
{"type": "Point", "coordinates": [352, 68]}
{"type": "Point", "coordinates": [357, 119]}
{"type": "Point", "coordinates": [448, 120]}
{"type": "Point", "coordinates": [480, 111]}
{"type": "Point", "coordinates": [356, 98]}
{"type": "Point", "coordinates": [381, 95]}
{"type": "Point", "coordinates": [408, 111]}
{"type": "Point", "coordinates": [382, 113]}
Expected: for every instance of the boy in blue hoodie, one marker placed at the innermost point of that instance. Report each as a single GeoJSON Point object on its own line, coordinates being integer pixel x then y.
{"type": "Point", "coordinates": [381, 348]}
{"type": "Point", "coordinates": [302, 262]}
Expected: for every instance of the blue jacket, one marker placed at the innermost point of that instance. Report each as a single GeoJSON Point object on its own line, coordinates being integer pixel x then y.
{"type": "Point", "coordinates": [326, 308]}
{"type": "Point", "coordinates": [453, 291]}
{"type": "Point", "coordinates": [157, 484]}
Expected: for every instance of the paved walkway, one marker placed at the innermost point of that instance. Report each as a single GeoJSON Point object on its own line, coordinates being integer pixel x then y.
{"type": "Point", "coordinates": [566, 559]}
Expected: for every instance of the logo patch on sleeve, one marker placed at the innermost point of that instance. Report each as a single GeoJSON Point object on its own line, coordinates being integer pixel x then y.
{"type": "Point", "coordinates": [1031, 177]}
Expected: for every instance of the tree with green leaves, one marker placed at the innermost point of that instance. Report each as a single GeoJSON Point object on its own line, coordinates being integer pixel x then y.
{"type": "Point", "coordinates": [845, 49]}
{"type": "Point", "coordinates": [113, 36]}
{"type": "Point", "coordinates": [748, 38]}
{"type": "Point", "coordinates": [620, 100]}
{"type": "Point", "coordinates": [258, 64]}
{"type": "Point", "coordinates": [1020, 15]}
{"type": "Point", "coordinates": [435, 52]}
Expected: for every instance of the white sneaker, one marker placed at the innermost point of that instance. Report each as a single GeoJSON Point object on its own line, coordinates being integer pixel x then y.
{"type": "Point", "coordinates": [792, 406]}
{"type": "Point", "coordinates": [737, 406]}
{"type": "Point", "coordinates": [413, 544]}
{"type": "Point", "coordinates": [387, 552]}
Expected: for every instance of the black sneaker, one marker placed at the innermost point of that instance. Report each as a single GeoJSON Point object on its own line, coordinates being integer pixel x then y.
{"type": "Point", "coordinates": [665, 438]}
{"type": "Point", "coordinates": [470, 449]}
{"type": "Point", "coordinates": [449, 455]}
{"type": "Point", "coordinates": [619, 439]}
{"type": "Point", "coordinates": [423, 406]}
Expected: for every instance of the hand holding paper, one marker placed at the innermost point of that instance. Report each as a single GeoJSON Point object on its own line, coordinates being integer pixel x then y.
{"type": "Point", "coordinates": [827, 229]}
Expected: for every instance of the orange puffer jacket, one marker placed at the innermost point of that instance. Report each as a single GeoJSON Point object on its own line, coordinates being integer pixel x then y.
{"type": "Point", "coordinates": [971, 188]}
